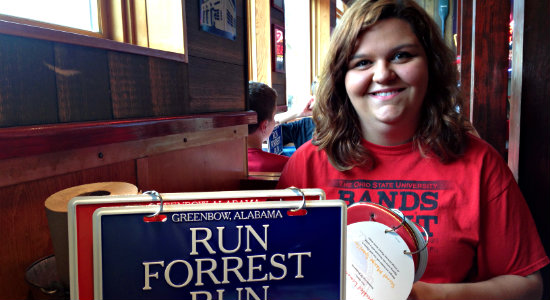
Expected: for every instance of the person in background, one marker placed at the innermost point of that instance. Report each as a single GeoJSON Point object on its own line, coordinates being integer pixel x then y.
{"type": "Point", "coordinates": [300, 129]}
{"type": "Point", "coordinates": [388, 131]}
{"type": "Point", "coordinates": [262, 100]}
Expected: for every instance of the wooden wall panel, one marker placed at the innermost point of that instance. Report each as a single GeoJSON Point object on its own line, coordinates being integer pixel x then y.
{"type": "Point", "coordinates": [278, 80]}
{"type": "Point", "coordinates": [279, 84]}
{"type": "Point", "coordinates": [277, 14]}
{"type": "Point", "coordinates": [259, 42]}
{"type": "Point", "coordinates": [27, 82]}
{"type": "Point", "coordinates": [323, 10]}
{"type": "Point", "coordinates": [530, 113]}
{"type": "Point", "coordinates": [97, 84]}
{"type": "Point", "coordinates": [82, 83]}
{"type": "Point", "coordinates": [24, 227]}
{"type": "Point", "coordinates": [215, 86]}
{"type": "Point", "coordinates": [333, 14]}
{"type": "Point", "coordinates": [209, 46]}
{"type": "Point", "coordinates": [130, 85]}
{"type": "Point", "coordinates": [465, 53]}
{"type": "Point", "coordinates": [217, 66]}
{"type": "Point", "coordinates": [169, 87]}
{"type": "Point", "coordinates": [490, 71]}
{"type": "Point", "coordinates": [195, 169]}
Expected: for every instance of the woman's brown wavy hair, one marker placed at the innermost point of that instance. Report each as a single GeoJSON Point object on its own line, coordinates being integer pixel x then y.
{"type": "Point", "coordinates": [441, 130]}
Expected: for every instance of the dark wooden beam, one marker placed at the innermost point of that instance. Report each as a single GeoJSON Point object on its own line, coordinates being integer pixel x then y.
{"type": "Point", "coordinates": [489, 74]}
{"type": "Point", "coordinates": [529, 156]}
{"type": "Point", "coordinates": [465, 51]}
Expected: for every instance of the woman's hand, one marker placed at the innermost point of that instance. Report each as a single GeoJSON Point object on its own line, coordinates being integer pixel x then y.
{"type": "Point", "coordinates": [500, 287]}
{"type": "Point", "coordinates": [423, 290]}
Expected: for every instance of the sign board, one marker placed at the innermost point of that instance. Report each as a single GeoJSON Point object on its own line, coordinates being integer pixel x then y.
{"type": "Point", "coordinates": [81, 209]}
{"type": "Point", "coordinates": [219, 17]}
{"type": "Point", "coordinates": [221, 251]}
{"type": "Point", "coordinates": [275, 141]}
{"type": "Point", "coordinates": [278, 48]}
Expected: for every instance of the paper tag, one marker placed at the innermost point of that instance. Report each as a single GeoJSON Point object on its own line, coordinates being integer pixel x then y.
{"type": "Point", "coordinates": [376, 266]}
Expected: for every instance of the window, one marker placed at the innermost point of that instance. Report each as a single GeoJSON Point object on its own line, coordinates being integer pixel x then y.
{"type": "Point", "coordinates": [340, 9]}
{"type": "Point", "coordinates": [151, 24]}
{"type": "Point", "coordinates": [83, 13]}
{"type": "Point", "coordinates": [154, 24]}
{"type": "Point", "coordinates": [79, 16]}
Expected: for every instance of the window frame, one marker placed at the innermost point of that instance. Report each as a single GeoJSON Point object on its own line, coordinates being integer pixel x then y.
{"type": "Point", "coordinates": [31, 22]}
{"type": "Point", "coordinates": [56, 33]}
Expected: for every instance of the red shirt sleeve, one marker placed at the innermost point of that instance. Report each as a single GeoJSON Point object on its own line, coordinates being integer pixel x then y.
{"type": "Point", "coordinates": [509, 242]}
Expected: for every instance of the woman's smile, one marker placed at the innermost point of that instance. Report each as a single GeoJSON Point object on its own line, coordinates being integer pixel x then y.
{"type": "Point", "coordinates": [385, 94]}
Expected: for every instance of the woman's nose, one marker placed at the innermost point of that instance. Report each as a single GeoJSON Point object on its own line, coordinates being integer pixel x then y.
{"type": "Point", "coordinates": [383, 72]}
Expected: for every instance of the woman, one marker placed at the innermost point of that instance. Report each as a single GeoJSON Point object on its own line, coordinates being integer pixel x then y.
{"type": "Point", "coordinates": [388, 131]}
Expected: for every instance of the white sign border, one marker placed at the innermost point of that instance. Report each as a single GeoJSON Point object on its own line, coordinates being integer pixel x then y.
{"type": "Point", "coordinates": [98, 284]}
{"type": "Point", "coordinates": [143, 199]}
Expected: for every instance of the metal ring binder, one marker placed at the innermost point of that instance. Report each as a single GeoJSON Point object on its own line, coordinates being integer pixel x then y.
{"type": "Point", "coordinates": [299, 192]}
{"type": "Point", "coordinates": [155, 196]}
{"type": "Point", "coordinates": [425, 245]}
{"type": "Point", "coordinates": [398, 212]}
{"type": "Point", "coordinates": [365, 211]}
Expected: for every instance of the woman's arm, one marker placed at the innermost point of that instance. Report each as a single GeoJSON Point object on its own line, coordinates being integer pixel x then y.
{"type": "Point", "coordinates": [500, 287]}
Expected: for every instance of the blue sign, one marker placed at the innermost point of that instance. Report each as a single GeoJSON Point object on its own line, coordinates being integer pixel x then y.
{"type": "Point", "coordinates": [275, 141]}
{"type": "Point", "coordinates": [221, 251]}
{"type": "Point", "coordinates": [219, 17]}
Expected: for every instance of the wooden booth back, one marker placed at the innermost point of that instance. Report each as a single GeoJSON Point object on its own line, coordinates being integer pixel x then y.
{"type": "Point", "coordinates": [73, 114]}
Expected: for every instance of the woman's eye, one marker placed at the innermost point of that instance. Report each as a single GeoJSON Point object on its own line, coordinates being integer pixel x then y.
{"type": "Point", "coordinates": [361, 64]}
{"type": "Point", "coordinates": [401, 56]}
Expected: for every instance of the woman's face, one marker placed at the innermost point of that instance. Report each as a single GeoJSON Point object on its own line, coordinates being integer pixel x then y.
{"type": "Point", "coordinates": [387, 79]}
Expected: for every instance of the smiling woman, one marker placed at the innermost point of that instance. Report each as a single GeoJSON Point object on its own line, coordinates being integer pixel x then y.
{"type": "Point", "coordinates": [387, 131]}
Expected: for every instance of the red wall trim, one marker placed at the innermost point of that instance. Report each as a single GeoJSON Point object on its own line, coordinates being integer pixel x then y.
{"type": "Point", "coordinates": [33, 140]}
